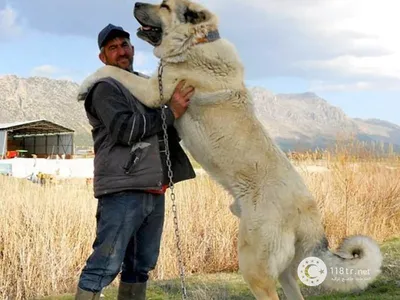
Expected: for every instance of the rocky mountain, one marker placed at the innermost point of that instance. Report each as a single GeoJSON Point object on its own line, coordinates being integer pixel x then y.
{"type": "Point", "coordinates": [25, 99]}
{"type": "Point", "coordinates": [296, 121]}
{"type": "Point", "coordinates": [304, 121]}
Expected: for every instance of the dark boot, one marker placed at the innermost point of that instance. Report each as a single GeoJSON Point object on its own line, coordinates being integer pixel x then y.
{"type": "Point", "coordinates": [85, 295]}
{"type": "Point", "coordinates": [132, 291]}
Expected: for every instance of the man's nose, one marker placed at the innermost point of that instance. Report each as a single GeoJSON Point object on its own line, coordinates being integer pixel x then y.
{"type": "Point", "coordinates": [121, 50]}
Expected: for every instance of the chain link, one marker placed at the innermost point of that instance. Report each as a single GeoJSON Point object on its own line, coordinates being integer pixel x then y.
{"type": "Point", "coordinates": [171, 183]}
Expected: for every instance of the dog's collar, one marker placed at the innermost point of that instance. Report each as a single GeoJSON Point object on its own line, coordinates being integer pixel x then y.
{"type": "Point", "coordinates": [210, 37]}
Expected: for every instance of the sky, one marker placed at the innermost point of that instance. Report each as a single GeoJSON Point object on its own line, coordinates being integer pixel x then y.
{"type": "Point", "coordinates": [345, 51]}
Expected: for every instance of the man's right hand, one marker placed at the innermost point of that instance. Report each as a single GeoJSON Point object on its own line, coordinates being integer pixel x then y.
{"type": "Point", "coordinates": [180, 99]}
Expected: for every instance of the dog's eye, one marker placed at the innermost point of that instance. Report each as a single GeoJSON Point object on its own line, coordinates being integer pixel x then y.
{"type": "Point", "coordinates": [165, 6]}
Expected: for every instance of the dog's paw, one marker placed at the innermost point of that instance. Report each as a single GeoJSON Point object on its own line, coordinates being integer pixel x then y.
{"type": "Point", "coordinates": [154, 102]}
{"type": "Point", "coordinates": [89, 81]}
{"type": "Point", "coordinates": [86, 85]}
{"type": "Point", "coordinates": [82, 96]}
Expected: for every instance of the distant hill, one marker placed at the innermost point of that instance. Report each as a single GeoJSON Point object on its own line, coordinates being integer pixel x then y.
{"type": "Point", "coordinates": [303, 121]}
{"type": "Point", "coordinates": [34, 98]}
{"type": "Point", "coordinates": [296, 121]}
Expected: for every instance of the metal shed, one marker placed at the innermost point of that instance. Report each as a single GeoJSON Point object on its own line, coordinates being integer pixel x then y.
{"type": "Point", "coordinates": [39, 137]}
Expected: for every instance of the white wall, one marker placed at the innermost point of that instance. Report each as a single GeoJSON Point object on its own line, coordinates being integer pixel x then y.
{"type": "Point", "coordinates": [63, 168]}
{"type": "Point", "coordinates": [3, 143]}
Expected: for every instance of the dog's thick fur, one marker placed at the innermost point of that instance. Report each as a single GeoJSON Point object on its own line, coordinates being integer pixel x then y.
{"type": "Point", "coordinates": [279, 219]}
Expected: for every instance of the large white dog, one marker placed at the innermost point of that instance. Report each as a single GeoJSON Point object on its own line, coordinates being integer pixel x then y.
{"type": "Point", "coordinates": [280, 224]}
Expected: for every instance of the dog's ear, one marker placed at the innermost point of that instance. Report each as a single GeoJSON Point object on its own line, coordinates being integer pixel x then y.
{"type": "Point", "coordinates": [195, 17]}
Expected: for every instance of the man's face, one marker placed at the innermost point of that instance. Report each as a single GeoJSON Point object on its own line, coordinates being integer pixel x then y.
{"type": "Point", "coordinates": [118, 52]}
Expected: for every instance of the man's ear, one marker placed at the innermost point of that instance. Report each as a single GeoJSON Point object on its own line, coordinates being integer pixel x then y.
{"type": "Point", "coordinates": [195, 17]}
{"type": "Point", "coordinates": [102, 57]}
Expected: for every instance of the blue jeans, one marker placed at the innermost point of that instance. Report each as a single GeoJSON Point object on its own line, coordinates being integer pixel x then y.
{"type": "Point", "coordinates": [128, 235]}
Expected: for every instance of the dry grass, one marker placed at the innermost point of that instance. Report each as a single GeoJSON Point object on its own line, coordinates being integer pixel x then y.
{"type": "Point", "coordinates": [47, 232]}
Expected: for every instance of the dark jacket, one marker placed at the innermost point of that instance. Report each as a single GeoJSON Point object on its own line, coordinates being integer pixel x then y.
{"type": "Point", "coordinates": [128, 142]}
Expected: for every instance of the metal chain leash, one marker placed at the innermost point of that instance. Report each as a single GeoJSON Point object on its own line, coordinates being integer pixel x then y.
{"type": "Point", "coordinates": [171, 183]}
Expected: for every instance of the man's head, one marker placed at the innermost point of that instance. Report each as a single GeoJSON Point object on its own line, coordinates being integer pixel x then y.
{"type": "Point", "coordinates": [115, 47]}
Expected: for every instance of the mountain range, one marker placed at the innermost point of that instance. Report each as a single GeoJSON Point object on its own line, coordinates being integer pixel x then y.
{"type": "Point", "coordinates": [296, 121]}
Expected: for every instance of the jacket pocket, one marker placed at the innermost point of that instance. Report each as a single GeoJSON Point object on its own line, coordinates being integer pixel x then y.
{"type": "Point", "coordinates": [136, 154]}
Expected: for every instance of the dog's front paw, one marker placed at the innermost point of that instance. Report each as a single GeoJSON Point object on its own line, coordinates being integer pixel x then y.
{"type": "Point", "coordinates": [154, 102]}
{"type": "Point", "coordinates": [92, 79]}
{"type": "Point", "coordinates": [83, 89]}
{"type": "Point", "coordinates": [82, 96]}
{"type": "Point", "coordinates": [86, 85]}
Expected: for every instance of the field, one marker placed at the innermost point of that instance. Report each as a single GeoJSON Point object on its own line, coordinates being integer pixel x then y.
{"type": "Point", "coordinates": [47, 231]}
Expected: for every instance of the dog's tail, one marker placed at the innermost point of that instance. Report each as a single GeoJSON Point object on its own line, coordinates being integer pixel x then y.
{"type": "Point", "coordinates": [355, 264]}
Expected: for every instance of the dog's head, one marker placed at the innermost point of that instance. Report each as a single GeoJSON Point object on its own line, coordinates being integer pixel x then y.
{"type": "Point", "coordinates": [174, 25]}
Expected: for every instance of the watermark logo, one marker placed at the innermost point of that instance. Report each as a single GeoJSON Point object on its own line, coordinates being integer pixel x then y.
{"type": "Point", "coordinates": [349, 274]}
{"type": "Point", "coordinates": [312, 271]}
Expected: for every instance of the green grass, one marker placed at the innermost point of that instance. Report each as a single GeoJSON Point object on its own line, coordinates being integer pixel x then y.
{"type": "Point", "coordinates": [231, 286]}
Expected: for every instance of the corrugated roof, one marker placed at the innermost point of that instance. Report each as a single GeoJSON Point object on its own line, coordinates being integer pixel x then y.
{"type": "Point", "coordinates": [13, 124]}
{"type": "Point", "coordinates": [34, 127]}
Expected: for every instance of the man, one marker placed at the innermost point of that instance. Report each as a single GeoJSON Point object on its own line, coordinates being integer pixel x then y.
{"type": "Point", "coordinates": [130, 175]}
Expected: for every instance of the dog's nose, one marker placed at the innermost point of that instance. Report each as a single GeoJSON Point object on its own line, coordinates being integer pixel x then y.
{"type": "Point", "coordinates": [138, 4]}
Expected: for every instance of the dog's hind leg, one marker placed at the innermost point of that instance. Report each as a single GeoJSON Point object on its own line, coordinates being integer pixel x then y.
{"type": "Point", "coordinates": [289, 285]}
{"type": "Point", "coordinates": [256, 276]}
{"type": "Point", "coordinates": [255, 271]}
{"type": "Point", "coordinates": [265, 252]}
{"type": "Point", "coordinates": [287, 279]}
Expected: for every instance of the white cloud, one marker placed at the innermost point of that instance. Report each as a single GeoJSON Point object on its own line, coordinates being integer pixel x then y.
{"type": "Point", "coordinates": [54, 72]}
{"type": "Point", "coordinates": [9, 25]}
{"type": "Point", "coordinates": [370, 50]}
{"type": "Point", "coordinates": [147, 72]}
{"type": "Point", "coordinates": [341, 43]}
{"type": "Point", "coordinates": [45, 71]}
{"type": "Point", "coordinates": [348, 44]}
{"type": "Point", "coordinates": [142, 58]}
{"type": "Point", "coordinates": [385, 65]}
{"type": "Point", "coordinates": [321, 86]}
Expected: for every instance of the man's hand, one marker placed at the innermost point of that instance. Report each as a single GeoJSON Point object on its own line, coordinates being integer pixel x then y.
{"type": "Point", "coordinates": [180, 99]}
